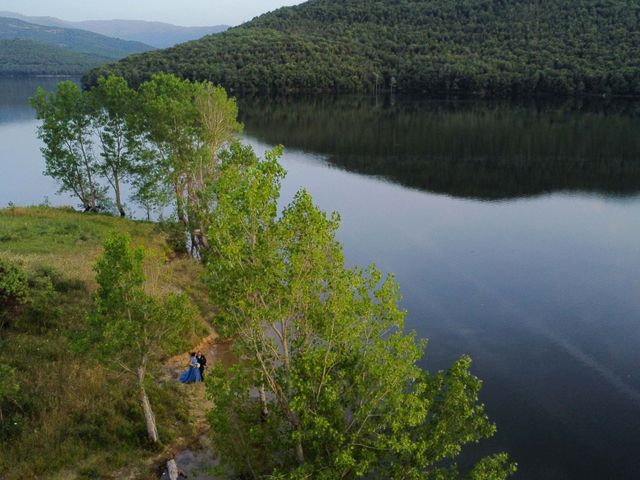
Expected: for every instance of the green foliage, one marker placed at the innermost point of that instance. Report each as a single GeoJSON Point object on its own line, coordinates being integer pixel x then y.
{"type": "Point", "coordinates": [185, 125]}
{"type": "Point", "coordinates": [488, 47]}
{"type": "Point", "coordinates": [134, 327]}
{"type": "Point", "coordinates": [71, 413]}
{"type": "Point", "coordinates": [130, 329]}
{"type": "Point", "coordinates": [175, 236]}
{"type": "Point", "coordinates": [329, 385]}
{"type": "Point", "coordinates": [240, 235]}
{"type": "Point", "coordinates": [114, 119]}
{"type": "Point", "coordinates": [218, 116]}
{"type": "Point", "coordinates": [66, 131]}
{"type": "Point", "coordinates": [164, 138]}
{"type": "Point", "coordinates": [487, 468]}
{"type": "Point", "coordinates": [72, 120]}
{"type": "Point", "coordinates": [14, 289]}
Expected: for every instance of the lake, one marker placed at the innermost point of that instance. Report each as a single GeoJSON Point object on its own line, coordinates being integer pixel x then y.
{"type": "Point", "coordinates": [513, 230]}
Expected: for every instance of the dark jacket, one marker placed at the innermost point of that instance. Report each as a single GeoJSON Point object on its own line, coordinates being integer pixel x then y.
{"type": "Point", "coordinates": [202, 361]}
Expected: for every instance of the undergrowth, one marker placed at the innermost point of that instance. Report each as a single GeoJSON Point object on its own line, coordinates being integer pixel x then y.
{"type": "Point", "coordinates": [62, 414]}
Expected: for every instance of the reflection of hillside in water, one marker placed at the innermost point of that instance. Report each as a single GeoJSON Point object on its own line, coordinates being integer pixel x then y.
{"type": "Point", "coordinates": [15, 93]}
{"type": "Point", "coordinates": [466, 149]}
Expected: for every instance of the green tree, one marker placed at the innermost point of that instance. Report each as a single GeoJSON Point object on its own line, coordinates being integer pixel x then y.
{"type": "Point", "coordinates": [66, 131]}
{"type": "Point", "coordinates": [217, 117]}
{"type": "Point", "coordinates": [131, 328]}
{"type": "Point", "coordinates": [149, 189]}
{"type": "Point", "coordinates": [114, 105]}
{"type": "Point", "coordinates": [170, 126]}
{"type": "Point", "coordinates": [186, 124]}
{"type": "Point", "coordinates": [328, 386]}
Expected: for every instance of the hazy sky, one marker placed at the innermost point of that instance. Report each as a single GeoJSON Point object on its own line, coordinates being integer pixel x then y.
{"type": "Point", "coordinates": [181, 12]}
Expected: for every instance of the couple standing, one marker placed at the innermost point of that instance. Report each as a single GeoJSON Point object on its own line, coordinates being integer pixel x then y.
{"type": "Point", "coordinates": [195, 372]}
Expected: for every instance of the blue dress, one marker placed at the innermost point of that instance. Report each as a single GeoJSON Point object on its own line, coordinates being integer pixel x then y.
{"type": "Point", "coordinates": [192, 375]}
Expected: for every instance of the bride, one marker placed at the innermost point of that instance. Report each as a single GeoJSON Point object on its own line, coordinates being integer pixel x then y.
{"type": "Point", "coordinates": [192, 375]}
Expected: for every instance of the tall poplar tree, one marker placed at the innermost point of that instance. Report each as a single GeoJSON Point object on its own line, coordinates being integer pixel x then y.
{"type": "Point", "coordinates": [114, 121]}
{"type": "Point", "coordinates": [328, 385]}
{"type": "Point", "coordinates": [186, 124]}
{"type": "Point", "coordinates": [67, 133]}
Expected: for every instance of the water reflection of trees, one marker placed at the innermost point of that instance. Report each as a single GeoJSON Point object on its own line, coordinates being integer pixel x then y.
{"type": "Point", "coordinates": [464, 148]}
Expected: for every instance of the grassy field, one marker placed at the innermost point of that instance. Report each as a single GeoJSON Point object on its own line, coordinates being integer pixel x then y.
{"type": "Point", "coordinates": [72, 417]}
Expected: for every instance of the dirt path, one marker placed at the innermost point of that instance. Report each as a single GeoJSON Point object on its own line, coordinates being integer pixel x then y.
{"type": "Point", "coordinates": [192, 454]}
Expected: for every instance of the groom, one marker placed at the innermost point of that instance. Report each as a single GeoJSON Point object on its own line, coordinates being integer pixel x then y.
{"type": "Point", "coordinates": [202, 361]}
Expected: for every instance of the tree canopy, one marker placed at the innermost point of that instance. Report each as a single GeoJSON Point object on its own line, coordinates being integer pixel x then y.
{"type": "Point", "coordinates": [327, 385]}
{"type": "Point", "coordinates": [130, 327]}
{"type": "Point", "coordinates": [163, 138]}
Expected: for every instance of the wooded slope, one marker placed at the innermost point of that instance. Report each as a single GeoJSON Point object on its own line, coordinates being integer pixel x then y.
{"type": "Point", "coordinates": [487, 47]}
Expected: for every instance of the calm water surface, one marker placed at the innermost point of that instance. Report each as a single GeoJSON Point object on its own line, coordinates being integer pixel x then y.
{"type": "Point", "coordinates": [512, 229]}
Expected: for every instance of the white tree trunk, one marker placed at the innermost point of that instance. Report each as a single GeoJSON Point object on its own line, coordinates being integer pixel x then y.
{"type": "Point", "coordinates": [172, 470]}
{"type": "Point", "coordinates": [299, 453]}
{"type": "Point", "coordinates": [149, 417]}
{"type": "Point", "coordinates": [263, 400]}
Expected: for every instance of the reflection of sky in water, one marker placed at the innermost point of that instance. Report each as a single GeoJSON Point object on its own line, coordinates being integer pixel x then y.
{"type": "Point", "coordinates": [21, 167]}
{"type": "Point", "coordinates": [21, 163]}
{"type": "Point", "coordinates": [543, 292]}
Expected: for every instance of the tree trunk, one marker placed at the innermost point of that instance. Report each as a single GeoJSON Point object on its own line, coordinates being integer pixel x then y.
{"type": "Point", "coordinates": [116, 185]}
{"type": "Point", "coordinates": [179, 203]}
{"type": "Point", "coordinates": [294, 417]}
{"type": "Point", "coordinates": [299, 452]}
{"type": "Point", "coordinates": [172, 470]}
{"type": "Point", "coordinates": [263, 400]}
{"type": "Point", "coordinates": [93, 195]}
{"type": "Point", "coordinates": [149, 417]}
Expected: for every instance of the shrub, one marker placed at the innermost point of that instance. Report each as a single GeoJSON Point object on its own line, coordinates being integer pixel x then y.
{"type": "Point", "coordinates": [14, 288]}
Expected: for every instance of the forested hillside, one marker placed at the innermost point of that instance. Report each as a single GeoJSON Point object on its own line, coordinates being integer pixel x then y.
{"type": "Point", "coordinates": [28, 57]}
{"type": "Point", "coordinates": [74, 40]}
{"type": "Point", "coordinates": [487, 47]}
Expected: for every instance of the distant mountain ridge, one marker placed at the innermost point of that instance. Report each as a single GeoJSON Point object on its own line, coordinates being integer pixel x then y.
{"type": "Point", "coordinates": [493, 48]}
{"type": "Point", "coordinates": [75, 40]}
{"type": "Point", "coordinates": [156, 34]}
